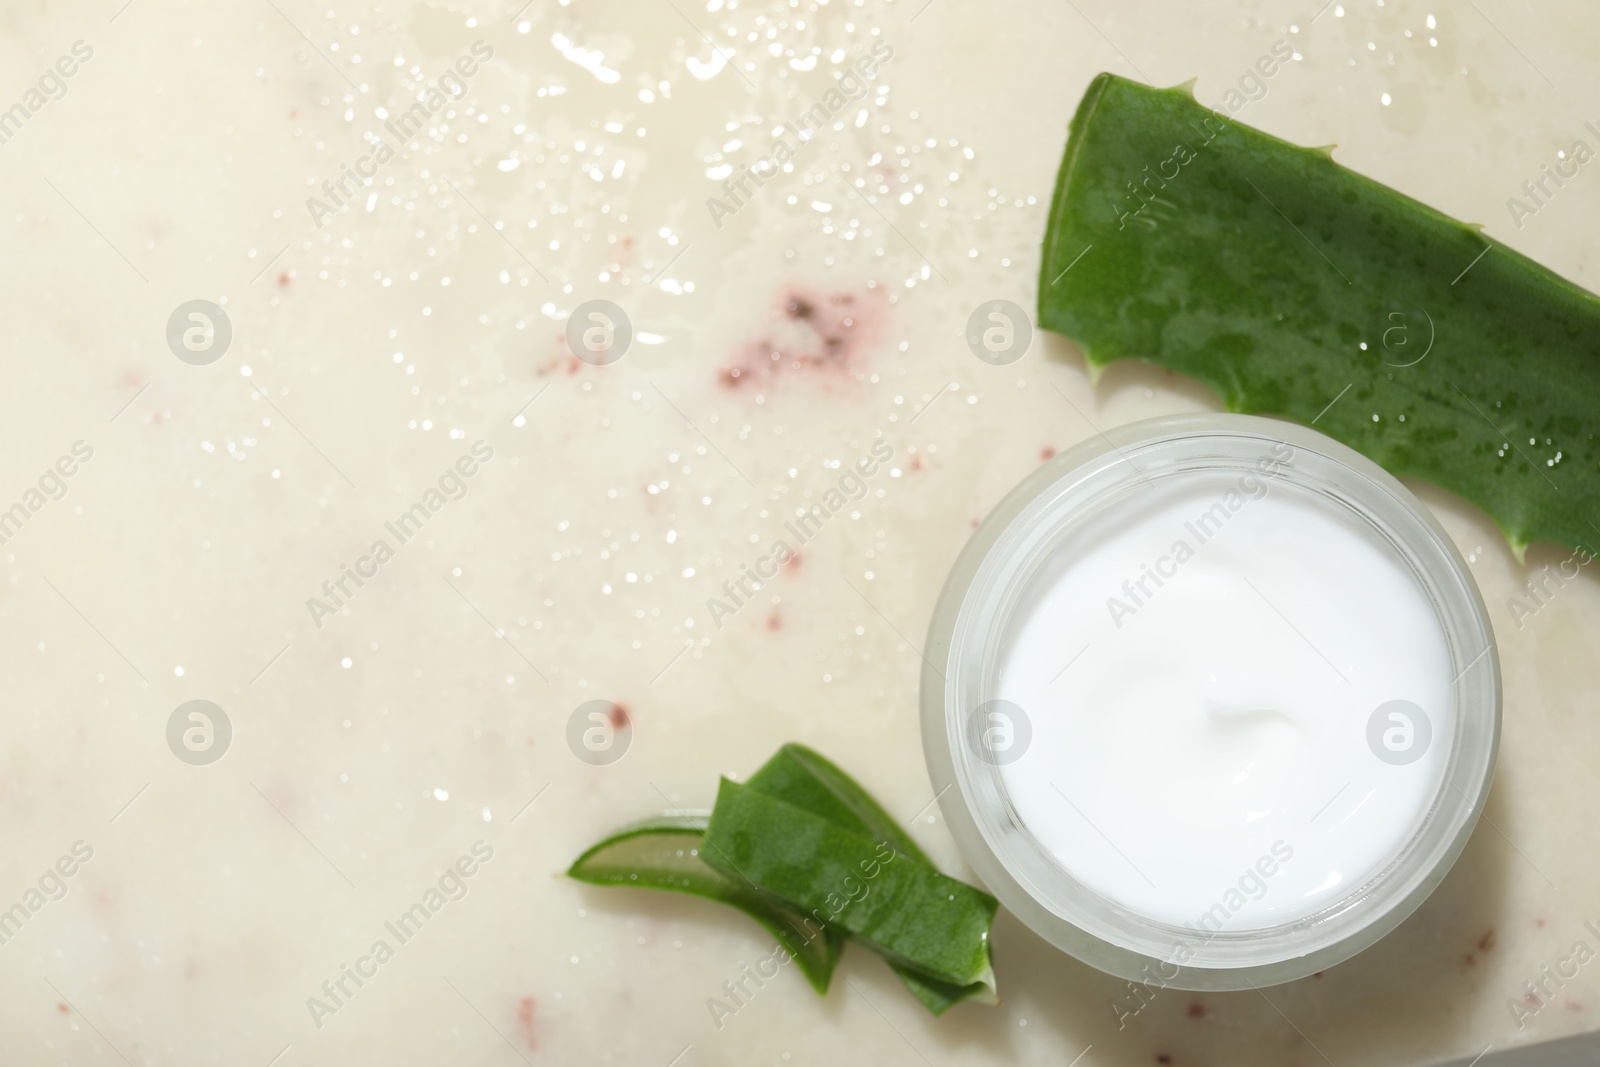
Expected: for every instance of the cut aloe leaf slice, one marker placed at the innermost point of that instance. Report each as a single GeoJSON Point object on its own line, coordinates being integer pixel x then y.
{"type": "Point", "coordinates": [810, 780]}
{"type": "Point", "coordinates": [904, 910]}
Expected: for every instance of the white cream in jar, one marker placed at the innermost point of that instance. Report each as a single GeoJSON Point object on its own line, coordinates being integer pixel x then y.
{"type": "Point", "coordinates": [1219, 698]}
{"type": "Point", "coordinates": [1217, 715]}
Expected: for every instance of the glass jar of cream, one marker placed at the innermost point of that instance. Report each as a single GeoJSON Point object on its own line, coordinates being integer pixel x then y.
{"type": "Point", "coordinates": [1211, 702]}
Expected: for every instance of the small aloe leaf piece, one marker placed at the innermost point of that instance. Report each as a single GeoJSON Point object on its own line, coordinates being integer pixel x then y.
{"type": "Point", "coordinates": [672, 853]}
{"type": "Point", "coordinates": [664, 854]}
{"type": "Point", "coordinates": [809, 780]}
{"type": "Point", "coordinates": [902, 909]}
{"type": "Point", "coordinates": [1285, 282]}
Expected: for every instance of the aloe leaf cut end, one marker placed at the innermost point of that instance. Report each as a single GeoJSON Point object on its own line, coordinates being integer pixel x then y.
{"type": "Point", "coordinates": [664, 853]}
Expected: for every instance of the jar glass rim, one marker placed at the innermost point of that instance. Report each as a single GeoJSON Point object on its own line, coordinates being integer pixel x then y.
{"type": "Point", "coordinates": [959, 672]}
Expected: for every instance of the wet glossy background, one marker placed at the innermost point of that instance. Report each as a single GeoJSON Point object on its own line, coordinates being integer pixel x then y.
{"type": "Point", "coordinates": [373, 747]}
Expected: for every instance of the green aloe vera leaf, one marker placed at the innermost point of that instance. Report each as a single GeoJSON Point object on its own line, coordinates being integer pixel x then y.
{"type": "Point", "coordinates": [903, 910]}
{"type": "Point", "coordinates": [664, 854]}
{"type": "Point", "coordinates": [1284, 281]}
{"type": "Point", "coordinates": [809, 780]}
{"type": "Point", "coordinates": [670, 853]}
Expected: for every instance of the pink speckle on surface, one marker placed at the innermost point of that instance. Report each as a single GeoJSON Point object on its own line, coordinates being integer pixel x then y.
{"type": "Point", "coordinates": [561, 360]}
{"type": "Point", "coordinates": [526, 1008]}
{"type": "Point", "coordinates": [826, 335]}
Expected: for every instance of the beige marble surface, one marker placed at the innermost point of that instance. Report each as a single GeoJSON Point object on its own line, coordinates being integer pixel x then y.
{"type": "Point", "coordinates": [372, 748]}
